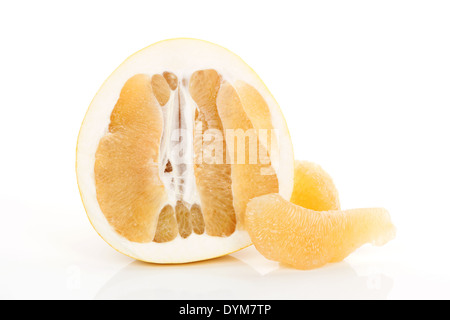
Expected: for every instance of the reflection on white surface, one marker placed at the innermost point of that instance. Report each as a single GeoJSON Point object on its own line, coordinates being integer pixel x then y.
{"type": "Point", "coordinates": [230, 278]}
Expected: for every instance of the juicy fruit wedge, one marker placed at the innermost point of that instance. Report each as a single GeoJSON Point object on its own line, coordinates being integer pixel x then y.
{"type": "Point", "coordinates": [307, 239]}
{"type": "Point", "coordinates": [253, 178]}
{"type": "Point", "coordinates": [314, 188]}
{"type": "Point", "coordinates": [129, 189]}
{"type": "Point", "coordinates": [176, 142]}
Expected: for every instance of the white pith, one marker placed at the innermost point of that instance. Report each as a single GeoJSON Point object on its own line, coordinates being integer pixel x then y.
{"type": "Point", "coordinates": [181, 57]}
{"type": "Point", "coordinates": [177, 179]}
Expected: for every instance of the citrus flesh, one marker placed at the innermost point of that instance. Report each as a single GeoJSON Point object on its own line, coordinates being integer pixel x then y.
{"type": "Point", "coordinates": [314, 188]}
{"type": "Point", "coordinates": [165, 157]}
{"type": "Point", "coordinates": [308, 239]}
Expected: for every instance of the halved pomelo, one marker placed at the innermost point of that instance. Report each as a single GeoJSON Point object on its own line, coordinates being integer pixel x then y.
{"type": "Point", "coordinates": [176, 142]}
{"type": "Point", "coordinates": [307, 239]}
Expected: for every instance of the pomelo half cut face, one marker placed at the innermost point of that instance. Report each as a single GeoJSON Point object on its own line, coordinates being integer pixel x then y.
{"type": "Point", "coordinates": [174, 145]}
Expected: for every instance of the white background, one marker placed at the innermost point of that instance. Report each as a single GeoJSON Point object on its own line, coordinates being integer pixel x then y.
{"type": "Point", "coordinates": [365, 89]}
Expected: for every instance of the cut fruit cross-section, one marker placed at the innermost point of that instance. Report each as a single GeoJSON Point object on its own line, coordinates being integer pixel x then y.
{"type": "Point", "coordinates": [176, 142]}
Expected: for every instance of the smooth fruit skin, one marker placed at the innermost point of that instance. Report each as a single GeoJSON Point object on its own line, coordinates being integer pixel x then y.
{"type": "Point", "coordinates": [314, 188]}
{"type": "Point", "coordinates": [307, 239]}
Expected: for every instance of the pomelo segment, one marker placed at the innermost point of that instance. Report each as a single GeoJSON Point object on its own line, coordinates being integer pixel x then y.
{"type": "Point", "coordinates": [211, 169]}
{"type": "Point", "coordinates": [251, 176]}
{"type": "Point", "coordinates": [167, 228]}
{"type": "Point", "coordinates": [307, 239]}
{"type": "Point", "coordinates": [161, 89]}
{"type": "Point", "coordinates": [314, 188]}
{"type": "Point", "coordinates": [129, 189]}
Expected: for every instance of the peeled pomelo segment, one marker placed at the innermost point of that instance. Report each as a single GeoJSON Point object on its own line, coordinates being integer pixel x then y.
{"type": "Point", "coordinates": [307, 239]}
{"type": "Point", "coordinates": [213, 174]}
{"type": "Point", "coordinates": [250, 178]}
{"type": "Point", "coordinates": [129, 191]}
{"type": "Point", "coordinates": [314, 188]}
